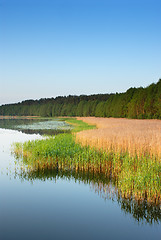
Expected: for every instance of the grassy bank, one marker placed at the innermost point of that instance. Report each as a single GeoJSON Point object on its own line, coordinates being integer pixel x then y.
{"type": "Point", "coordinates": [78, 125]}
{"type": "Point", "coordinates": [136, 177]}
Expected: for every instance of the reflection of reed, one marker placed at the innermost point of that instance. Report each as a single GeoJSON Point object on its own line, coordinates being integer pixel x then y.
{"type": "Point", "coordinates": [105, 187]}
{"type": "Point", "coordinates": [108, 170]}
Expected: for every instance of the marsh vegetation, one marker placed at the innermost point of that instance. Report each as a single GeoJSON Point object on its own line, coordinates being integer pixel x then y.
{"type": "Point", "coordinates": [58, 182]}
{"type": "Point", "coordinates": [135, 171]}
{"type": "Point", "coordinates": [141, 138]}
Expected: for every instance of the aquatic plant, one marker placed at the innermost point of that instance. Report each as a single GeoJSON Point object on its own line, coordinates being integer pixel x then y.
{"type": "Point", "coordinates": [137, 137]}
{"type": "Point", "coordinates": [136, 177]}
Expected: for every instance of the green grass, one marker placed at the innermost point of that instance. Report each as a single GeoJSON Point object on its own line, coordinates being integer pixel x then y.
{"type": "Point", "coordinates": [78, 125]}
{"type": "Point", "coordinates": [137, 177]}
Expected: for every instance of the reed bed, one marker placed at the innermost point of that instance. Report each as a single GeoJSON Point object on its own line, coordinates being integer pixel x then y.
{"type": "Point", "coordinates": [135, 177]}
{"type": "Point", "coordinates": [137, 137]}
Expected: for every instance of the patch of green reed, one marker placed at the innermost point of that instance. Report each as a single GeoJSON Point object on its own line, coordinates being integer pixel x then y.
{"type": "Point", "coordinates": [139, 177]}
{"type": "Point", "coordinates": [78, 125]}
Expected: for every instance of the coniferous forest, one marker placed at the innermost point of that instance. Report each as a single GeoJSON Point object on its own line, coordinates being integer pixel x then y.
{"type": "Point", "coordinates": [141, 103]}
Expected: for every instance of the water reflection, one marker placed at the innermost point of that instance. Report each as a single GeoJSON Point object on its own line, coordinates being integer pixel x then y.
{"type": "Point", "coordinates": [141, 210]}
{"type": "Point", "coordinates": [35, 126]}
{"type": "Point", "coordinates": [46, 203]}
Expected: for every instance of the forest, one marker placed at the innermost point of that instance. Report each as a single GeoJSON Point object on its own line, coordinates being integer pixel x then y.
{"type": "Point", "coordinates": [139, 103]}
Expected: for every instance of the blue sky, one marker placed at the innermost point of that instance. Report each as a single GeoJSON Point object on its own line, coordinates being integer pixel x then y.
{"type": "Point", "coordinates": [62, 47]}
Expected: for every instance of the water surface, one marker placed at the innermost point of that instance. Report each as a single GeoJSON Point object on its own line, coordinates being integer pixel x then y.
{"type": "Point", "coordinates": [39, 126]}
{"type": "Point", "coordinates": [66, 204]}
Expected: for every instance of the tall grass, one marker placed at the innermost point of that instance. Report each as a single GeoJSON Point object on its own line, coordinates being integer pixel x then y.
{"type": "Point", "coordinates": [137, 137]}
{"type": "Point", "coordinates": [136, 177]}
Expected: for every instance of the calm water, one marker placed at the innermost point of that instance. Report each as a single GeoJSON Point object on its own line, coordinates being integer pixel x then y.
{"type": "Point", "coordinates": [65, 204]}
{"type": "Point", "coordinates": [30, 126]}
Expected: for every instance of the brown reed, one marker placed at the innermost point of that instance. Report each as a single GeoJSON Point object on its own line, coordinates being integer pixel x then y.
{"type": "Point", "coordinates": [135, 136]}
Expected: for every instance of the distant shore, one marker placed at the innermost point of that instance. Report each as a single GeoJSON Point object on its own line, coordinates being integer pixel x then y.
{"type": "Point", "coordinates": [16, 117]}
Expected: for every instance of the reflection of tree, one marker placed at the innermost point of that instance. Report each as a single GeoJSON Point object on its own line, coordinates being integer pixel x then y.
{"type": "Point", "coordinates": [43, 132]}
{"type": "Point", "coordinates": [105, 187]}
{"type": "Point", "coordinates": [12, 122]}
{"type": "Point", "coordinates": [15, 123]}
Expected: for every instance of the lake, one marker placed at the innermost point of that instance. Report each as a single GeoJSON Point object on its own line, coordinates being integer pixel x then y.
{"type": "Point", "coordinates": [64, 204]}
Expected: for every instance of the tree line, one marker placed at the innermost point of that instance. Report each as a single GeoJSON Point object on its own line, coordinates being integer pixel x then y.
{"type": "Point", "coordinates": [138, 103]}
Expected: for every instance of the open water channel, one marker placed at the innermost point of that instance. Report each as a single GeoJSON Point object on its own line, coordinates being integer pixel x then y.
{"type": "Point", "coordinates": [64, 204]}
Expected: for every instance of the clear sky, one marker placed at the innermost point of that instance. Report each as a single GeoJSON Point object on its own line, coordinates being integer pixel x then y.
{"type": "Point", "coordinates": [60, 47]}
